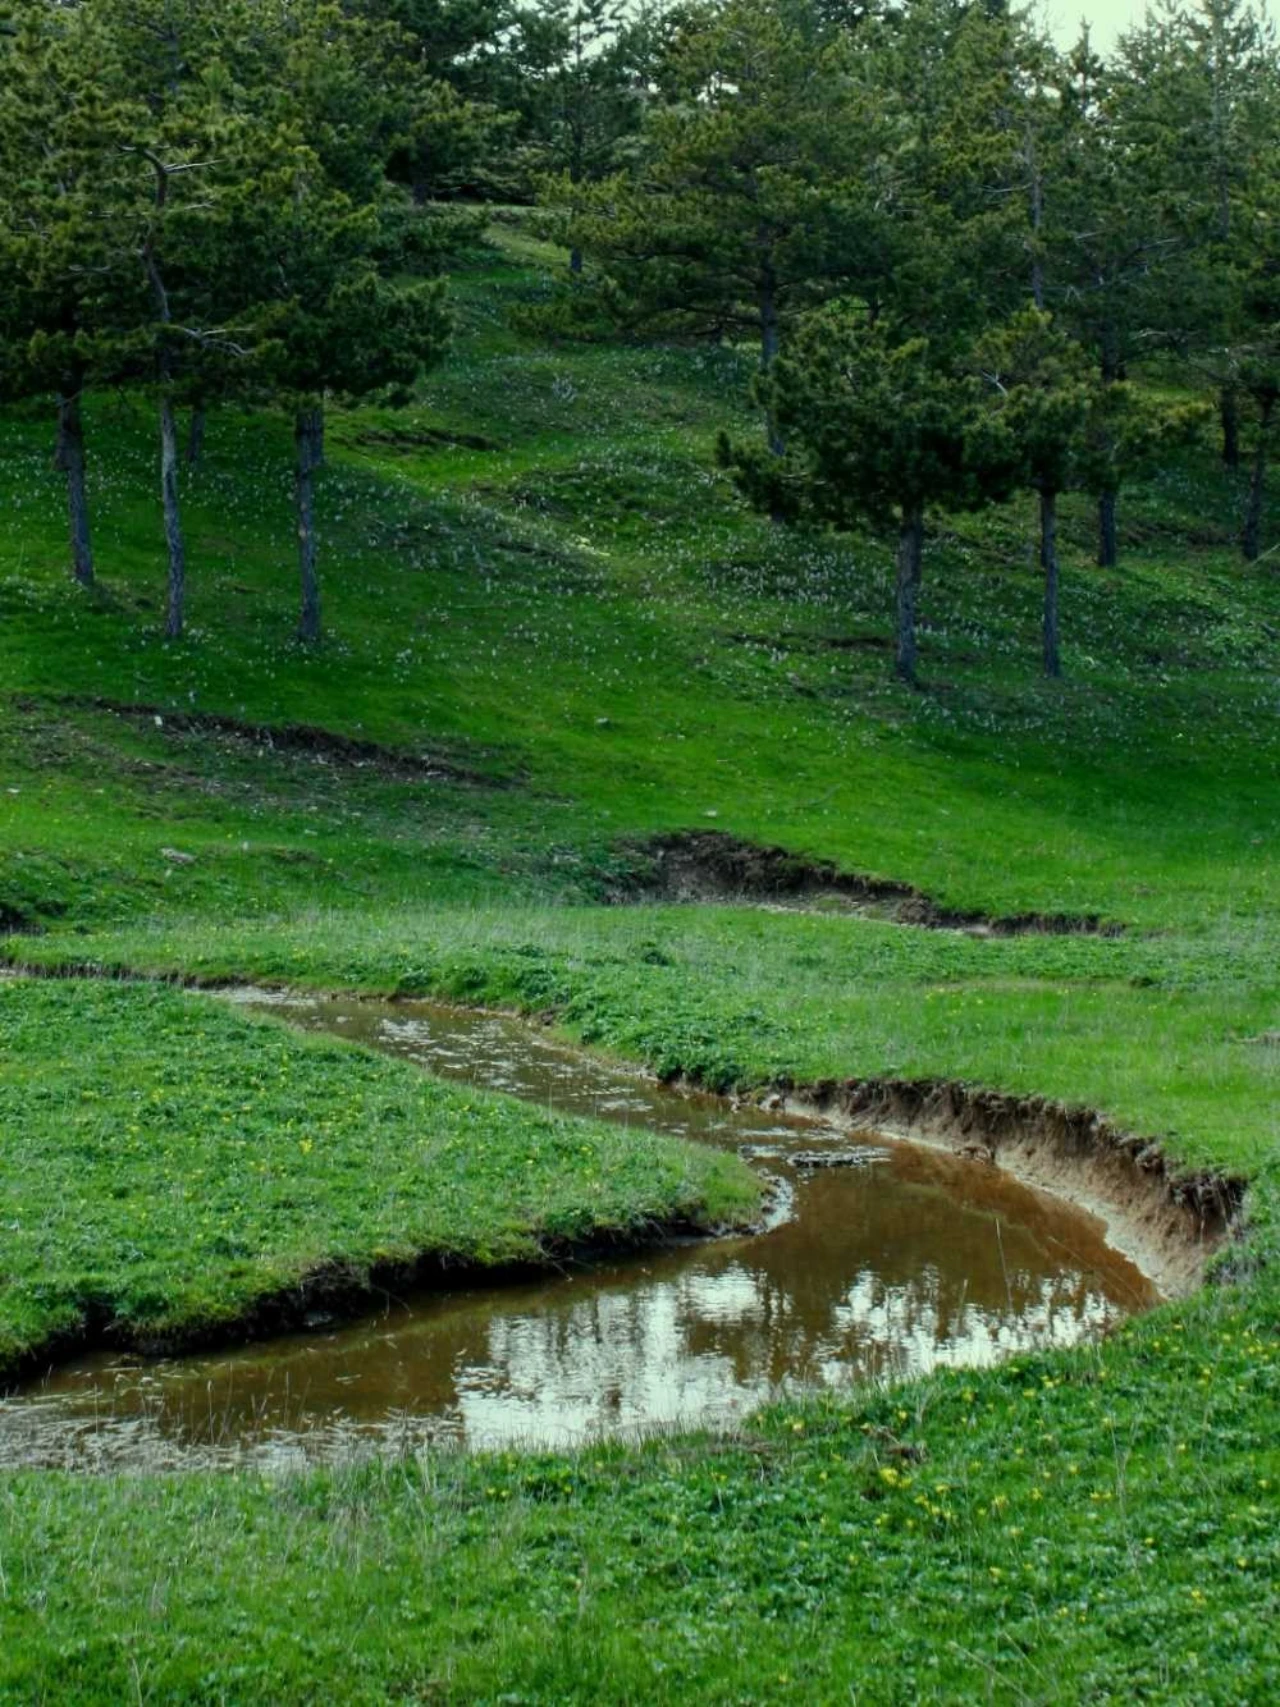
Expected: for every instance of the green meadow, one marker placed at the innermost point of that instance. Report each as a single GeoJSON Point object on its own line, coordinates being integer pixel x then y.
{"type": "Point", "coordinates": [553, 633]}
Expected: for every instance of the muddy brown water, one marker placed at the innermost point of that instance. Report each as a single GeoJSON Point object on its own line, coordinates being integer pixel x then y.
{"type": "Point", "coordinates": [898, 1260]}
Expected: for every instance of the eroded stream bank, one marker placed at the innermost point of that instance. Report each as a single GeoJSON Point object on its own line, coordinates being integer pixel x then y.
{"type": "Point", "coordinates": [714, 866]}
{"type": "Point", "coordinates": [886, 1258]}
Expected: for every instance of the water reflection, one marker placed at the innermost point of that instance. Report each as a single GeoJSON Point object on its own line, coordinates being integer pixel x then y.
{"type": "Point", "coordinates": [900, 1260]}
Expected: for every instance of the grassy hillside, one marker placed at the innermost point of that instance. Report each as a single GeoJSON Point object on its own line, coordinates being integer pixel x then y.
{"type": "Point", "coordinates": [584, 607]}
{"type": "Point", "coordinates": [553, 632]}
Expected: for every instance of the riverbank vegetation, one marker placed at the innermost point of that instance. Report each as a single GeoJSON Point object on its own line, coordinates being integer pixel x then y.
{"type": "Point", "coordinates": [179, 1174]}
{"type": "Point", "coordinates": [1092, 1526]}
{"type": "Point", "coordinates": [553, 631]}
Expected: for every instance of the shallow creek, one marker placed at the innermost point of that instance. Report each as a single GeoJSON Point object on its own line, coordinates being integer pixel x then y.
{"type": "Point", "coordinates": [898, 1259]}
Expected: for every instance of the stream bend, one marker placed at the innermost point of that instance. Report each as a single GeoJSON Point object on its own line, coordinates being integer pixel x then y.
{"type": "Point", "coordinates": [882, 1258]}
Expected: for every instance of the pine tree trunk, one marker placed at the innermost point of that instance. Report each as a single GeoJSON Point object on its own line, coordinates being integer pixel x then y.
{"type": "Point", "coordinates": [1251, 533]}
{"type": "Point", "coordinates": [1049, 563]}
{"type": "Point", "coordinates": [308, 437]}
{"type": "Point", "coordinates": [1108, 541]}
{"type": "Point", "coordinates": [575, 261]}
{"type": "Point", "coordinates": [1108, 548]}
{"type": "Point", "coordinates": [1036, 196]}
{"type": "Point", "coordinates": [1229, 415]}
{"type": "Point", "coordinates": [174, 611]}
{"type": "Point", "coordinates": [195, 435]}
{"type": "Point", "coordinates": [69, 457]}
{"type": "Point", "coordinates": [770, 341]}
{"type": "Point", "coordinates": [910, 552]}
{"type": "Point", "coordinates": [172, 517]}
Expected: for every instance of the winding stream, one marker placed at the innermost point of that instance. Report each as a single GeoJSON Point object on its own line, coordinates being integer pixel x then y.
{"type": "Point", "coordinates": [897, 1260]}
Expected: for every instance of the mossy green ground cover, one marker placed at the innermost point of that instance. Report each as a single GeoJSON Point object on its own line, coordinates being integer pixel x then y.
{"type": "Point", "coordinates": [537, 576]}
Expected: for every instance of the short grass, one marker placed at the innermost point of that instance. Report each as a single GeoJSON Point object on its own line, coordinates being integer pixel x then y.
{"type": "Point", "coordinates": [1168, 1035]}
{"type": "Point", "coordinates": [586, 606]}
{"type": "Point", "coordinates": [536, 575]}
{"type": "Point", "coordinates": [1095, 1527]}
{"type": "Point", "coordinates": [173, 1169]}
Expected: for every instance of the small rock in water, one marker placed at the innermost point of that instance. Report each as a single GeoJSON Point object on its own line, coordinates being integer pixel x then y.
{"type": "Point", "coordinates": [975, 1152]}
{"type": "Point", "coordinates": [174, 857]}
{"type": "Point", "coordinates": [832, 1158]}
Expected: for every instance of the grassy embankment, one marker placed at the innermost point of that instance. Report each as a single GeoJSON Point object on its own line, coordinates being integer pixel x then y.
{"type": "Point", "coordinates": [572, 605]}
{"type": "Point", "coordinates": [172, 1171]}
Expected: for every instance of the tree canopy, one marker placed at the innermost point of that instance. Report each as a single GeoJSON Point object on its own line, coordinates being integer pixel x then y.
{"type": "Point", "coordinates": [958, 253]}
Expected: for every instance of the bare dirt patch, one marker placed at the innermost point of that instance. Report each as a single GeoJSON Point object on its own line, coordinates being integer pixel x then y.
{"type": "Point", "coordinates": [800, 640]}
{"type": "Point", "coordinates": [710, 865]}
{"type": "Point", "coordinates": [407, 439]}
{"type": "Point", "coordinates": [304, 738]}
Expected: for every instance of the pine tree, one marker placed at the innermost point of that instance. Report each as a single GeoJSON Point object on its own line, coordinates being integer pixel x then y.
{"type": "Point", "coordinates": [882, 426]}
{"type": "Point", "coordinates": [751, 201]}
{"type": "Point", "coordinates": [1040, 400]}
{"type": "Point", "coordinates": [461, 58]}
{"type": "Point", "coordinates": [1233, 51]}
{"type": "Point", "coordinates": [581, 99]}
{"type": "Point", "coordinates": [334, 252]}
{"type": "Point", "coordinates": [247, 141]}
{"type": "Point", "coordinates": [342, 330]}
{"type": "Point", "coordinates": [1199, 90]}
{"type": "Point", "coordinates": [462, 43]}
{"type": "Point", "coordinates": [183, 158]}
{"type": "Point", "coordinates": [59, 294]}
{"type": "Point", "coordinates": [1258, 375]}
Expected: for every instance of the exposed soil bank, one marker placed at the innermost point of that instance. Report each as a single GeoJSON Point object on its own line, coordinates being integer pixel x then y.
{"type": "Point", "coordinates": [283, 737]}
{"type": "Point", "coordinates": [710, 865]}
{"type": "Point", "coordinates": [1167, 1221]}
{"type": "Point", "coordinates": [336, 1291]}
{"type": "Point", "coordinates": [14, 921]}
{"type": "Point", "coordinates": [879, 1259]}
{"type": "Point", "coordinates": [419, 438]}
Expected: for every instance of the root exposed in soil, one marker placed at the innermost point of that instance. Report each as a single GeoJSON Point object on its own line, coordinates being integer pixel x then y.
{"type": "Point", "coordinates": [710, 865]}
{"type": "Point", "coordinates": [324, 744]}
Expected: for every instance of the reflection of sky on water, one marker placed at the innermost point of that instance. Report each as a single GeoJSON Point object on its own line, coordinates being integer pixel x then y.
{"type": "Point", "coordinates": [908, 1260]}
{"type": "Point", "coordinates": [710, 1347]}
